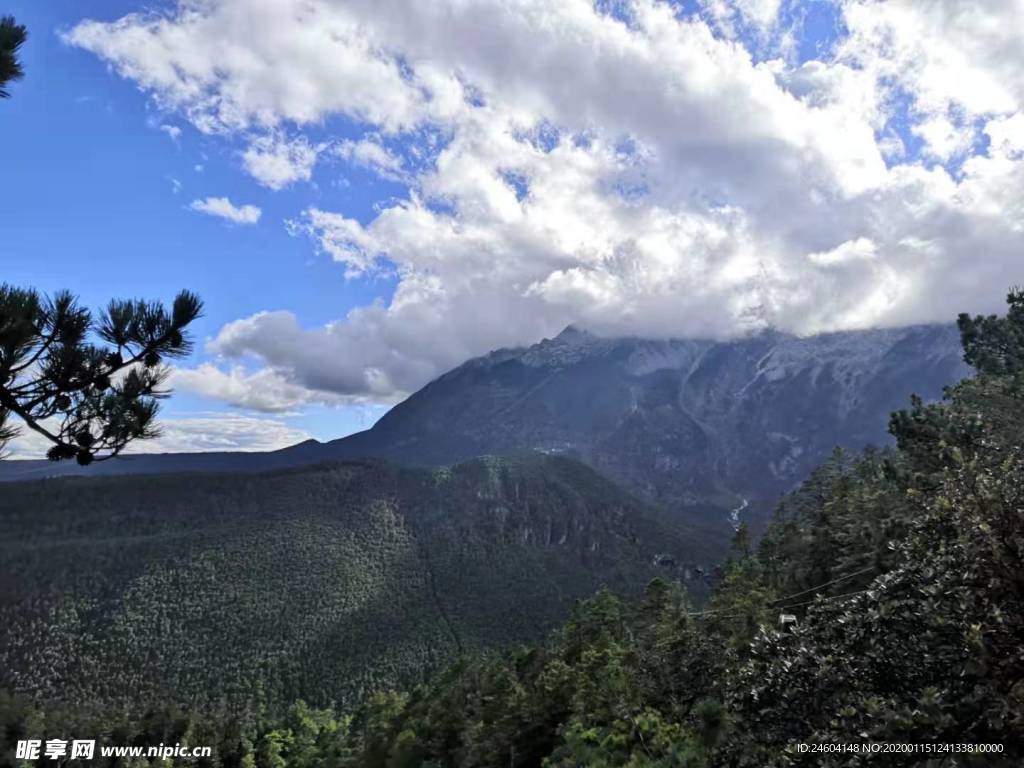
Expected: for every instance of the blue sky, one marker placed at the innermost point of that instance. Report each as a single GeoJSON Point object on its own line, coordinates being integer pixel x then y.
{"type": "Point", "coordinates": [101, 207]}
{"type": "Point", "coordinates": [458, 177]}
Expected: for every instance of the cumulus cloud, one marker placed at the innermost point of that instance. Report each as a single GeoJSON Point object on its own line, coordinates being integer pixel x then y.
{"type": "Point", "coordinates": [231, 66]}
{"type": "Point", "coordinates": [643, 171]}
{"type": "Point", "coordinates": [276, 162]}
{"type": "Point", "coordinates": [267, 390]}
{"type": "Point", "coordinates": [311, 356]}
{"type": "Point", "coordinates": [225, 209]}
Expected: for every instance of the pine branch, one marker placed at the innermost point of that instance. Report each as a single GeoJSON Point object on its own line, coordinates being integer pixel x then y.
{"type": "Point", "coordinates": [48, 342]}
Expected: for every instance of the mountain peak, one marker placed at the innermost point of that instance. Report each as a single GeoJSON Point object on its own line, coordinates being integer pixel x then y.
{"type": "Point", "coordinates": [570, 346]}
{"type": "Point", "coordinates": [573, 333]}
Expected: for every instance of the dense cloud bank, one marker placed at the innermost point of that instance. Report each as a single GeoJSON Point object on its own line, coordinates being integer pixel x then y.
{"type": "Point", "coordinates": [628, 166]}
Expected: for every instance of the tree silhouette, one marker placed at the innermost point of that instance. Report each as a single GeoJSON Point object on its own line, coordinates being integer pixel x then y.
{"type": "Point", "coordinates": [12, 35]}
{"type": "Point", "coordinates": [89, 399]}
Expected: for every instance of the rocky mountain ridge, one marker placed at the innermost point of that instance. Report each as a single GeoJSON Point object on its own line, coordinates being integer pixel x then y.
{"type": "Point", "coordinates": [695, 425]}
{"type": "Point", "coordinates": [688, 423]}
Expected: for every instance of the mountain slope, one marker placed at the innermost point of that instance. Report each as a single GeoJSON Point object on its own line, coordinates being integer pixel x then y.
{"type": "Point", "coordinates": [702, 427]}
{"type": "Point", "coordinates": [234, 591]}
{"type": "Point", "coordinates": [686, 423]}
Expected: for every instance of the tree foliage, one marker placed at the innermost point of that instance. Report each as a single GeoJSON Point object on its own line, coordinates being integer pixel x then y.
{"type": "Point", "coordinates": [995, 345]}
{"type": "Point", "coordinates": [12, 37]}
{"type": "Point", "coordinates": [88, 386]}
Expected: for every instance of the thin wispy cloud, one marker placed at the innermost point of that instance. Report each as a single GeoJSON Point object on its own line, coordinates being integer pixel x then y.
{"type": "Point", "coordinates": [193, 433]}
{"type": "Point", "coordinates": [173, 131]}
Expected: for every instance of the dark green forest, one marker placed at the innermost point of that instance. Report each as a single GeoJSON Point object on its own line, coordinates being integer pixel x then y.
{"type": "Point", "coordinates": [903, 567]}
{"type": "Point", "coordinates": [237, 593]}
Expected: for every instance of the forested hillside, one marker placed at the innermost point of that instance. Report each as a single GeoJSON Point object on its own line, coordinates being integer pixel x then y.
{"type": "Point", "coordinates": [903, 569]}
{"type": "Point", "coordinates": [238, 593]}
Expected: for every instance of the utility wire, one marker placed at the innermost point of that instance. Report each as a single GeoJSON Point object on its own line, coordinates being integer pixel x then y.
{"type": "Point", "coordinates": [796, 594]}
{"type": "Point", "coordinates": [722, 615]}
{"type": "Point", "coordinates": [826, 599]}
{"type": "Point", "coordinates": [826, 584]}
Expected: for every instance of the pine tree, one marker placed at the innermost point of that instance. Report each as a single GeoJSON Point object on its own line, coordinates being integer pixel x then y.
{"type": "Point", "coordinates": [89, 387]}
{"type": "Point", "coordinates": [995, 345]}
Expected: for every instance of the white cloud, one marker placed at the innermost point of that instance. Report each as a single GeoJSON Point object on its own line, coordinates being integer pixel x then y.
{"type": "Point", "coordinates": [232, 66]}
{"type": "Point", "coordinates": [217, 432]}
{"type": "Point", "coordinates": [1006, 135]}
{"type": "Point", "coordinates": [371, 154]}
{"type": "Point", "coordinates": [945, 54]}
{"type": "Point", "coordinates": [757, 18]}
{"type": "Point", "coordinates": [193, 434]}
{"type": "Point", "coordinates": [343, 238]}
{"type": "Point", "coordinates": [943, 140]}
{"type": "Point", "coordinates": [276, 162]}
{"type": "Point", "coordinates": [643, 172]}
{"type": "Point", "coordinates": [312, 355]}
{"type": "Point", "coordinates": [953, 62]}
{"type": "Point", "coordinates": [225, 209]}
{"type": "Point", "coordinates": [173, 131]}
{"type": "Point", "coordinates": [264, 390]}
{"type": "Point", "coordinates": [845, 253]}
